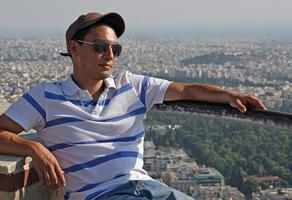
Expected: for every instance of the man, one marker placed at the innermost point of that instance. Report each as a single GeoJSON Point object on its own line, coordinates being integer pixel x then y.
{"type": "Point", "coordinates": [92, 122]}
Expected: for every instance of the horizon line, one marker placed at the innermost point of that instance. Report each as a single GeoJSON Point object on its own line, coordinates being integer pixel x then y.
{"type": "Point", "coordinates": [164, 32]}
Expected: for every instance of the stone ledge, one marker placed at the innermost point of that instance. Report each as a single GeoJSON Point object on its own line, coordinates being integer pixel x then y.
{"type": "Point", "coordinates": [15, 164]}
{"type": "Point", "coordinates": [19, 181]}
{"type": "Point", "coordinates": [16, 171]}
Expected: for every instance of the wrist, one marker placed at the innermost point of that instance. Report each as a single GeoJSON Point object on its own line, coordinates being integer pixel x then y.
{"type": "Point", "coordinates": [230, 95]}
{"type": "Point", "coordinates": [31, 148]}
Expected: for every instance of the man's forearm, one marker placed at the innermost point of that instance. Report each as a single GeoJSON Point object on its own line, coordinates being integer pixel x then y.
{"type": "Point", "coordinates": [211, 93]}
{"type": "Point", "coordinates": [12, 144]}
{"type": "Point", "coordinates": [197, 92]}
{"type": "Point", "coordinates": [44, 162]}
{"type": "Point", "coordinates": [207, 92]}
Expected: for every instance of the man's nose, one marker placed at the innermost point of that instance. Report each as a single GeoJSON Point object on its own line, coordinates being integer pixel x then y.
{"type": "Point", "coordinates": [109, 52]}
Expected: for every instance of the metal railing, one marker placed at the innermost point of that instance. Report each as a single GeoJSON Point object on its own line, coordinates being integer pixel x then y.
{"type": "Point", "coordinates": [269, 118]}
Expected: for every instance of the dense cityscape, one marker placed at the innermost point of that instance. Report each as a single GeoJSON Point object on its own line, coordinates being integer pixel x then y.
{"type": "Point", "coordinates": [261, 66]}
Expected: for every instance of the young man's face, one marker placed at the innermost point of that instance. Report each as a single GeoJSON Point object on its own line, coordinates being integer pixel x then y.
{"type": "Point", "coordinates": [91, 64]}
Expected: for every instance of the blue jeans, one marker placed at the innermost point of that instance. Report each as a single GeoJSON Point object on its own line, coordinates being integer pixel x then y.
{"type": "Point", "coordinates": [144, 190]}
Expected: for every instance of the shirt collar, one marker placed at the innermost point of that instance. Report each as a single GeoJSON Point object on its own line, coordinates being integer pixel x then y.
{"type": "Point", "coordinates": [70, 87]}
{"type": "Point", "coordinates": [110, 82]}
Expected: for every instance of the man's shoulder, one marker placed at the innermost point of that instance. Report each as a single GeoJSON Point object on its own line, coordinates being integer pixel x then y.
{"type": "Point", "coordinates": [120, 74]}
{"type": "Point", "coordinates": [45, 87]}
{"type": "Point", "coordinates": [126, 76]}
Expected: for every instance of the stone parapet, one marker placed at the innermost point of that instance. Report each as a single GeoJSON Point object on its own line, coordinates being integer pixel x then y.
{"type": "Point", "coordinates": [19, 181]}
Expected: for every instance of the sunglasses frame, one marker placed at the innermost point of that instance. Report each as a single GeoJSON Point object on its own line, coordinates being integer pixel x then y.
{"type": "Point", "coordinates": [104, 45]}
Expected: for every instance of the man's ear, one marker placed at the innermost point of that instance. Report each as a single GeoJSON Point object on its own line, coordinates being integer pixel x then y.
{"type": "Point", "coordinates": [73, 48]}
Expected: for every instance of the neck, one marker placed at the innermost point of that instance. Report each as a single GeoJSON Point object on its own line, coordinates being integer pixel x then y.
{"type": "Point", "coordinates": [94, 88]}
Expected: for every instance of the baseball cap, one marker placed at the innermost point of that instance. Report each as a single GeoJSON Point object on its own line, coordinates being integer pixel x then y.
{"type": "Point", "coordinates": [112, 19]}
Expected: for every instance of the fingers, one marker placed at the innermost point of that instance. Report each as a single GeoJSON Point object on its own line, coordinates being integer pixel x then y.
{"type": "Point", "coordinates": [244, 101]}
{"type": "Point", "coordinates": [47, 167]}
{"type": "Point", "coordinates": [47, 179]}
{"type": "Point", "coordinates": [53, 180]}
{"type": "Point", "coordinates": [255, 103]}
{"type": "Point", "coordinates": [61, 177]}
{"type": "Point", "coordinates": [52, 177]}
{"type": "Point", "coordinates": [240, 106]}
{"type": "Point", "coordinates": [57, 177]}
{"type": "Point", "coordinates": [44, 177]}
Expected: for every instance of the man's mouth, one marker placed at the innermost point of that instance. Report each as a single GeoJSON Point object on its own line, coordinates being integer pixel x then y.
{"type": "Point", "coordinates": [105, 65]}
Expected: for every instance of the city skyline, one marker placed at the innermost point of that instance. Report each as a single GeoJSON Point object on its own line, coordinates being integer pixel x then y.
{"type": "Point", "coordinates": [152, 18]}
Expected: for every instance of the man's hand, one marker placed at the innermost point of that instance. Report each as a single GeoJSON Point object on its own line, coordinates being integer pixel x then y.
{"type": "Point", "coordinates": [44, 162]}
{"type": "Point", "coordinates": [241, 102]}
{"type": "Point", "coordinates": [47, 167]}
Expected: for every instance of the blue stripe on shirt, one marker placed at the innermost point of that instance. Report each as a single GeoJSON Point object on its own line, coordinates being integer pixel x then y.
{"type": "Point", "coordinates": [86, 103]}
{"type": "Point", "coordinates": [144, 90]}
{"type": "Point", "coordinates": [98, 161]}
{"type": "Point", "coordinates": [65, 120]}
{"type": "Point", "coordinates": [67, 195]}
{"type": "Point", "coordinates": [135, 112]}
{"type": "Point", "coordinates": [95, 195]}
{"type": "Point", "coordinates": [89, 187]}
{"type": "Point", "coordinates": [35, 105]}
{"type": "Point", "coordinates": [85, 188]}
{"type": "Point", "coordinates": [123, 139]}
{"type": "Point", "coordinates": [123, 89]}
{"type": "Point", "coordinates": [53, 96]}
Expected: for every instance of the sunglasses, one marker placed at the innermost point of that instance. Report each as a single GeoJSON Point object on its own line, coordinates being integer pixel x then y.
{"type": "Point", "coordinates": [101, 46]}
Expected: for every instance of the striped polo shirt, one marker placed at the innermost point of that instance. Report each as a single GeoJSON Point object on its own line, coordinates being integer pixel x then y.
{"type": "Point", "coordinates": [99, 145]}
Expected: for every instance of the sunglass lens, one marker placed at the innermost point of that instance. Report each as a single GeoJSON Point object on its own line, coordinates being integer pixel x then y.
{"type": "Point", "coordinates": [102, 46]}
{"type": "Point", "coordinates": [117, 49]}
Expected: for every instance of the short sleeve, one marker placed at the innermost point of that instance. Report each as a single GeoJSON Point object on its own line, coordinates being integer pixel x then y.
{"type": "Point", "coordinates": [29, 110]}
{"type": "Point", "coordinates": [150, 90]}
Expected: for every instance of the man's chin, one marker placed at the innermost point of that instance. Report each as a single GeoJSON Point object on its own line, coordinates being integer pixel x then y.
{"type": "Point", "coordinates": [103, 75]}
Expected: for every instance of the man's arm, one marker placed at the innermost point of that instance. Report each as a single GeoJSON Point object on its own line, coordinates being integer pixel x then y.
{"type": "Point", "coordinates": [211, 93]}
{"type": "Point", "coordinates": [43, 161]}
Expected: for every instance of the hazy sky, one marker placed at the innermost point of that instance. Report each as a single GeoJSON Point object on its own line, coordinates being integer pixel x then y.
{"type": "Point", "coordinates": [37, 17]}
